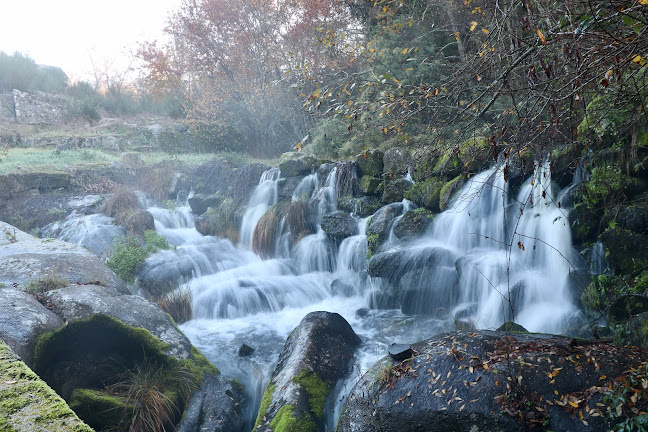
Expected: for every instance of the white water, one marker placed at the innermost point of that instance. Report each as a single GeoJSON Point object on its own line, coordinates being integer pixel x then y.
{"type": "Point", "coordinates": [471, 260]}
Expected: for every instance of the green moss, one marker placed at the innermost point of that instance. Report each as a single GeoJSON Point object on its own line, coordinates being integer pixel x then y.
{"type": "Point", "coordinates": [317, 390]}
{"type": "Point", "coordinates": [26, 399]}
{"type": "Point", "coordinates": [99, 409]}
{"type": "Point", "coordinates": [426, 193]}
{"type": "Point", "coordinates": [373, 242]}
{"type": "Point", "coordinates": [448, 190]}
{"type": "Point", "coordinates": [285, 422]}
{"type": "Point", "coordinates": [200, 365]}
{"type": "Point", "coordinates": [265, 404]}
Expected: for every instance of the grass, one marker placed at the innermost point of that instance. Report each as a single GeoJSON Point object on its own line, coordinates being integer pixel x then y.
{"type": "Point", "coordinates": [46, 283]}
{"type": "Point", "coordinates": [177, 304]}
{"type": "Point", "coordinates": [17, 157]}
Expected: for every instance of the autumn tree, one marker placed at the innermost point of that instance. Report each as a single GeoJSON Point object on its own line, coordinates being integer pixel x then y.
{"type": "Point", "coordinates": [232, 61]}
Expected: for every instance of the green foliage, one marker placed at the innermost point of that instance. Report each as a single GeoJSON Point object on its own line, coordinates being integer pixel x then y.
{"type": "Point", "coordinates": [606, 187]}
{"type": "Point", "coordinates": [627, 402]}
{"type": "Point", "coordinates": [19, 71]}
{"type": "Point", "coordinates": [130, 253]}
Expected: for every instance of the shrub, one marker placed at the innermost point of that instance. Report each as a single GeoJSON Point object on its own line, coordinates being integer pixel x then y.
{"type": "Point", "coordinates": [120, 203]}
{"type": "Point", "coordinates": [46, 283]}
{"type": "Point", "coordinates": [130, 253]}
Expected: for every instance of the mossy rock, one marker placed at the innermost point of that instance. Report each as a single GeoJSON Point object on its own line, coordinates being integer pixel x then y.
{"type": "Point", "coordinates": [510, 326]}
{"type": "Point", "coordinates": [222, 221]}
{"type": "Point", "coordinates": [395, 190]}
{"type": "Point", "coordinates": [99, 409]}
{"type": "Point", "coordinates": [475, 155]}
{"type": "Point", "coordinates": [370, 163]}
{"type": "Point", "coordinates": [449, 189]}
{"type": "Point", "coordinates": [368, 185]}
{"type": "Point", "coordinates": [449, 164]}
{"type": "Point", "coordinates": [294, 164]}
{"type": "Point", "coordinates": [426, 193]}
{"type": "Point", "coordinates": [363, 206]}
{"type": "Point", "coordinates": [423, 162]}
{"type": "Point", "coordinates": [28, 404]}
{"type": "Point", "coordinates": [413, 224]}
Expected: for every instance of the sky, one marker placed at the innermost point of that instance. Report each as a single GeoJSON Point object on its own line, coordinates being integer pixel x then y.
{"type": "Point", "coordinates": [68, 33]}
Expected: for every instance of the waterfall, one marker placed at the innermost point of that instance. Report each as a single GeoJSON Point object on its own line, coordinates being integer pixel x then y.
{"type": "Point", "coordinates": [95, 232]}
{"type": "Point", "coordinates": [264, 196]}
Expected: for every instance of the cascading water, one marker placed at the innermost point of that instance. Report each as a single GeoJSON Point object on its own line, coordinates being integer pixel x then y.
{"type": "Point", "coordinates": [95, 232]}
{"type": "Point", "coordinates": [487, 259]}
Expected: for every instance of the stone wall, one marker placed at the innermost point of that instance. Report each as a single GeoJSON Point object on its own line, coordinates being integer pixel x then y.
{"type": "Point", "coordinates": [7, 112]}
{"type": "Point", "coordinates": [39, 108]}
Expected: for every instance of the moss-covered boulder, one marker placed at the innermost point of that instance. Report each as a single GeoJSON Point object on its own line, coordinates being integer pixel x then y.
{"type": "Point", "coordinates": [101, 409]}
{"type": "Point", "coordinates": [492, 381]}
{"type": "Point", "coordinates": [27, 404]}
{"type": "Point", "coordinates": [295, 164]}
{"type": "Point", "coordinates": [381, 221]}
{"type": "Point", "coordinates": [317, 354]}
{"type": "Point", "coordinates": [339, 225]}
{"type": "Point", "coordinates": [199, 203]}
{"type": "Point", "coordinates": [426, 193]}
{"type": "Point", "coordinates": [413, 224]}
{"type": "Point", "coordinates": [449, 189]}
{"type": "Point", "coordinates": [395, 190]}
{"type": "Point", "coordinates": [370, 163]}
{"type": "Point", "coordinates": [368, 185]}
{"type": "Point", "coordinates": [423, 162]}
{"type": "Point", "coordinates": [475, 154]}
{"type": "Point", "coordinates": [223, 220]}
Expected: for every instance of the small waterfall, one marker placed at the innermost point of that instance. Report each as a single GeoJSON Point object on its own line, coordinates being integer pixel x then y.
{"type": "Point", "coordinates": [305, 188]}
{"type": "Point", "coordinates": [95, 232]}
{"type": "Point", "coordinates": [263, 197]}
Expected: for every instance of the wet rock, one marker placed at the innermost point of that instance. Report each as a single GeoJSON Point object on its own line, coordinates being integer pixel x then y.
{"type": "Point", "coordinates": [24, 258]}
{"type": "Point", "coordinates": [400, 352]}
{"type": "Point", "coordinates": [199, 203]}
{"type": "Point", "coordinates": [317, 354]}
{"type": "Point", "coordinates": [341, 288]}
{"type": "Point", "coordinates": [339, 225]}
{"type": "Point", "coordinates": [395, 190]}
{"type": "Point", "coordinates": [634, 217]}
{"type": "Point", "coordinates": [216, 407]}
{"type": "Point", "coordinates": [423, 162]}
{"type": "Point", "coordinates": [510, 326]}
{"type": "Point", "coordinates": [163, 272]}
{"type": "Point", "coordinates": [448, 191]}
{"type": "Point", "coordinates": [426, 193]}
{"type": "Point", "coordinates": [22, 320]}
{"type": "Point", "coordinates": [454, 382]}
{"type": "Point", "coordinates": [220, 175]}
{"type": "Point", "coordinates": [245, 350]}
{"type": "Point", "coordinates": [413, 224]}
{"type": "Point", "coordinates": [362, 207]}
{"type": "Point", "coordinates": [288, 185]}
{"type": "Point", "coordinates": [397, 161]}
{"type": "Point", "coordinates": [370, 163]}
{"type": "Point", "coordinates": [380, 222]}
{"type": "Point", "coordinates": [296, 164]}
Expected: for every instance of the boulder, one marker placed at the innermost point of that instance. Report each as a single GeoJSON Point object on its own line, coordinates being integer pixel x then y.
{"type": "Point", "coordinates": [24, 258]}
{"type": "Point", "coordinates": [397, 161]}
{"type": "Point", "coordinates": [370, 163]}
{"type": "Point", "coordinates": [22, 320]}
{"type": "Point", "coordinates": [634, 217]}
{"type": "Point", "coordinates": [199, 203]}
{"type": "Point", "coordinates": [381, 221]}
{"type": "Point", "coordinates": [362, 207]}
{"type": "Point", "coordinates": [448, 191]}
{"type": "Point", "coordinates": [295, 164]}
{"type": "Point", "coordinates": [317, 354]}
{"type": "Point", "coordinates": [426, 193]}
{"type": "Point", "coordinates": [339, 225]}
{"type": "Point", "coordinates": [423, 162]}
{"type": "Point", "coordinates": [216, 407]}
{"type": "Point", "coordinates": [395, 190]}
{"type": "Point", "coordinates": [368, 185]}
{"type": "Point", "coordinates": [413, 224]}
{"type": "Point", "coordinates": [29, 404]}
{"type": "Point", "coordinates": [288, 185]}
{"type": "Point", "coordinates": [137, 221]}
{"type": "Point", "coordinates": [490, 381]}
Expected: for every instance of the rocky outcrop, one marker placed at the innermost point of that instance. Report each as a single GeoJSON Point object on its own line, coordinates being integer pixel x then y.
{"type": "Point", "coordinates": [199, 203]}
{"type": "Point", "coordinates": [39, 108]}
{"type": "Point", "coordinates": [490, 381]}
{"type": "Point", "coordinates": [395, 190]}
{"type": "Point", "coordinates": [316, 355]}
{"type": "Point", "coordinates": [25, 258]}
{"type": "Point", "coordinates": [397, 162]}
{"type": "Point", "coordinates": [370, 163]}
{"type": "Point", "coordinates": [362, 207]}
{"type": "Point", "coordinates": [296, 164]}
{"type": "Point", "coordinates": [413, 224]}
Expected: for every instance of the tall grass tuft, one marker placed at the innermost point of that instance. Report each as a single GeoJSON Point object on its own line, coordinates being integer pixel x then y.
{"type": "Point", "coordinates": [177, 304]}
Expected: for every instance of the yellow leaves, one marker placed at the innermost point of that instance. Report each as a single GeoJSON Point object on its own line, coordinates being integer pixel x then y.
{"type": "Point", "coordinates": [543, 41]}
{"type": "Point", "coordinates": [485, 31]}
{"type": "Point", "coordinates": [637, 59]}
{"type": "Point", "coordinates": [473, 25]}
{"type": "Point", "coordinates": [456, 35]}
{"type": "Point", "coordinates": [405, 51]}
{"type": "Point", "coordinates": [643, 2]}
{"type": "Point", "coordinates": [372, 50]}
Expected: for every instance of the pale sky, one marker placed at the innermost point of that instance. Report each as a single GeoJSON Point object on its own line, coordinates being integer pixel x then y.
{"type": "Point", "coordinates": [66, 33]}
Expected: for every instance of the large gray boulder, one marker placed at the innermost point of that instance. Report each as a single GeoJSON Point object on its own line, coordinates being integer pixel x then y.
{"type": "Point", "coordinates": [339, 225]}
{"type": "Point", "coordinates": [397, 161]}
{"type": "Point", "coordinates": [295, 164]}
{"type": "Point", "coordinates": [490, 381]}
{"type": "Point", "coordinates": [22, 320]}
{"type": "Point", "coordinates": [380, 222]}
{"type": "Point", "coordinates": [317, 354]}
{"type": "Point", "coordinates": [25, 258]}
